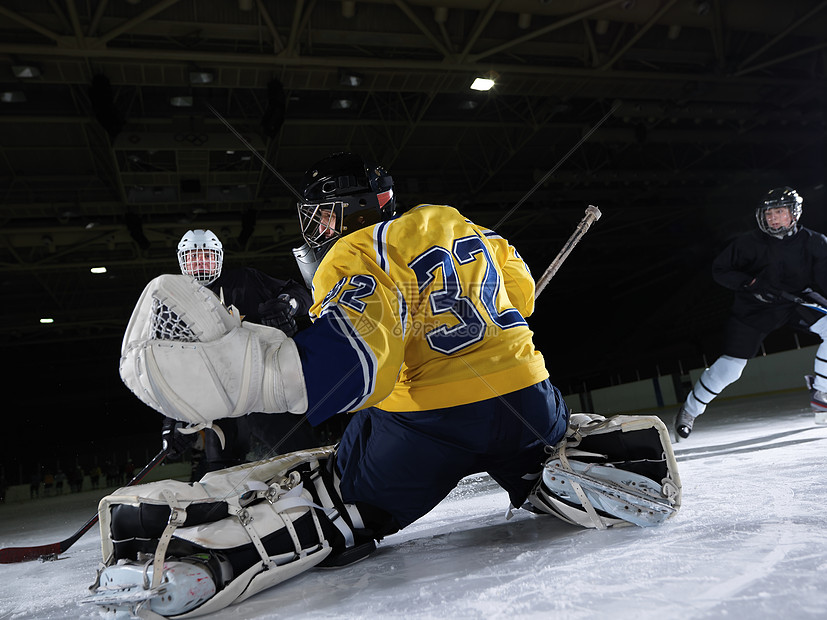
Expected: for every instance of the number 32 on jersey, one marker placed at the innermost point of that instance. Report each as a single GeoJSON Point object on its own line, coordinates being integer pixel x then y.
{"type": "Point", "coordinates": [456, 297]}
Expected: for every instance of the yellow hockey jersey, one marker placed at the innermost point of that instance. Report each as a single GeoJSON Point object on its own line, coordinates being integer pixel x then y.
{"type": "Point", "coordinates": [421, 312]}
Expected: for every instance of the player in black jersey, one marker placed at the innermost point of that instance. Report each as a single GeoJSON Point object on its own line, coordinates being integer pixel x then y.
{"type": "Point", "coordinates": [769, 269]}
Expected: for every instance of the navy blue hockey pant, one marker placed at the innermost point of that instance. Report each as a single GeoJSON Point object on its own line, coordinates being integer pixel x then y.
{"type": "Point", "coordinates": [406, 463]}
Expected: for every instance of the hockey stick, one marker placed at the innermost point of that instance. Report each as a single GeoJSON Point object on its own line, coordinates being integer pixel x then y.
{"type": "Point", "coordinates": [10, 555]}
{"type": "Point", "coordinates": [592, 215]}
{"type": "Point", "coordinates": [592, 212]}
{"type": "Point", "coordinates": [803, 302]}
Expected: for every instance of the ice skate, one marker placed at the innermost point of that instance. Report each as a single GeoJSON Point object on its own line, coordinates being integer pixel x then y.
{"type": "Point", "coordinates": [818, 400]}
{"type": "Point", "coordinates": [123, 588]}
{"type": "Point", "coordinates": [683, 424]}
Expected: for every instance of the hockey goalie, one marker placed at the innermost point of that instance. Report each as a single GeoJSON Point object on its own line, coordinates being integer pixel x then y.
{"type": "Point", "coordinates": [420, 334]}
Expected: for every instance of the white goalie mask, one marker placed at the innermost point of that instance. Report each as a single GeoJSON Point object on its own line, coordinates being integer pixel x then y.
{"type": "Point", "coordinates": [201, 255]}
{"type": "Point", "coordinates": [779, 198]}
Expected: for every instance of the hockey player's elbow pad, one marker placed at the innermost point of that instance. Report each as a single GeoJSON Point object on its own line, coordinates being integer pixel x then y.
{"type": "Point", "coordinates": [187, 357]}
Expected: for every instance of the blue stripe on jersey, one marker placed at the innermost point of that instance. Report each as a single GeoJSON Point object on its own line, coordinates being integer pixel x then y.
{"type": "Point", "coordinates": [380, 241]}
{"type": "Point", "coordinates": [403, 312]}
{"type": "Point", "coordinates": [380, 245]}
{"type": "Point", "coordinates": [490, 234]}
{"type": "Point", "coordinates": [344, 367]}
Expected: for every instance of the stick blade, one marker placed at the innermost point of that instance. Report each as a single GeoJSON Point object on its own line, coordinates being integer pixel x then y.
{"type": "Point", "coordinates": [11, 555]}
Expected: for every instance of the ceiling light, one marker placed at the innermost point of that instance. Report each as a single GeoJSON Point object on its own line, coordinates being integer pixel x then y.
{"type": "Point", "coordinates": [181, 102]}
{"type": "Point", "coordinates": [25, 71]}
{"type": "Point", "coordinates": [201, 77]}
{"type": "Point", "coordinates": [346, 78]}
{"type": "Point", "coordinates": [524, 21]}
{"type": "Point", "coordinates": [342, 104]}
{"type": "Point", "coordinates": [98, 270]}
{"type": "Point", "coordinates": [46, 320]}
{"type": "Point", "coordinates": [482, 83]}
{"type": "Point", "coordinates": [12, 96]}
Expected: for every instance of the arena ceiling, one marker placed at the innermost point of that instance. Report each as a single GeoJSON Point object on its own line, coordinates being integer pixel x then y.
{"type": "Point", "coordinates": [673, 116]}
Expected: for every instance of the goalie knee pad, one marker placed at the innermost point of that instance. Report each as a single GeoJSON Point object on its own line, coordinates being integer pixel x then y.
{"type": "Point", "coordinates": [185, 355]}
{"type": "Point", "coordinates": [609, 472]}
{"type": "Point", "coordinates": [232, 534]}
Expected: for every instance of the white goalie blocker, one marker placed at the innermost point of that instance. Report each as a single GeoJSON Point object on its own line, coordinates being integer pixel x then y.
{"type": "Point", "coordinates": [177, 550]}
{"type": "Point", "coordinates": [187, 356]}
{"type": "Point", "coordinates": [610, 472]}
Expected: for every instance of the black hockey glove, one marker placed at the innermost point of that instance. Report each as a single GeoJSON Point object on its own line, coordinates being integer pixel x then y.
{"type": "Point", "coordinates": [763, 292]}
{"type": "Point", "coordinates": [174, 442]}
{"type": "Point", "coordinates": [280, 313]}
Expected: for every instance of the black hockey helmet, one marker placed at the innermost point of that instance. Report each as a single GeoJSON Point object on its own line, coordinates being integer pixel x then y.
{"type": "Point", "coordinates": [343, 193]}
{"type": "Point", "coordinates": [780, 197]}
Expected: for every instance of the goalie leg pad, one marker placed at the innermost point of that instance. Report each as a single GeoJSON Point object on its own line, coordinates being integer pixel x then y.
{"type": "Point", "coordinates": [610, 472]}
{"type": "Point", "coordinates": [247, 528]}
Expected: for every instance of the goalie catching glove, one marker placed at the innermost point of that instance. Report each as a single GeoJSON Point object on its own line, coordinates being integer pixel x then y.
{"type": "Point", "coordinates": [188, 357]}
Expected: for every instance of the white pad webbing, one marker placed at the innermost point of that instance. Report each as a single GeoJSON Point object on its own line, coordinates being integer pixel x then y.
{"type": "Point", "coordinates": [597, 521]}
{"type": "Point", "coordinates": [331, 511]}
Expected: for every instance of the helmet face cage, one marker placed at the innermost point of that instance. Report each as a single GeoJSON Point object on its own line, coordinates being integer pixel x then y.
{"type": "Point", "coordinates": [321, 222]}
{"type": "Point", "coordinates": [784, 198]}
{"type": "Point", "coordinates": [342, 193]}
{"type": "Point", "coordinates": [201, 256]}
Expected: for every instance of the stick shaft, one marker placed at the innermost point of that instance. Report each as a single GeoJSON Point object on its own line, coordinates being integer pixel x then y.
{"type": "Point", "coordinates": [592, 215]}
{"type": "Point", "coordinates": [803, 302]}
{"type": "Point", "coordinates": [10, 555]}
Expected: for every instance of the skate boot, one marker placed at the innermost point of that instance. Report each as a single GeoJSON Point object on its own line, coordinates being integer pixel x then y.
{"type": "Point", "coordinates": [683, 424]}
{"type": "Point", "coordinates": [818, 399]}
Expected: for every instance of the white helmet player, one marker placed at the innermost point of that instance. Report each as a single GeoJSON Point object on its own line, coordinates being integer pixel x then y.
{"type": "Point", "coordinates": [780, 198]}
{"type": "Point", "coordinates": [201, 255]}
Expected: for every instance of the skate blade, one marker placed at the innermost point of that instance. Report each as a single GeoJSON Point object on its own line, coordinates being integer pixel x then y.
{"type": "Point", "coordinates": [123, 598]}
{"type": "Point", "coordinates": [612, 492]}
{"type": "Point", "coordinates": [124, 586]}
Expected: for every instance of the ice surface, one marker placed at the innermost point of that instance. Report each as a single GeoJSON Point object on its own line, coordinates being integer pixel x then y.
{"type": "Point", "coordinates": [749, 542]}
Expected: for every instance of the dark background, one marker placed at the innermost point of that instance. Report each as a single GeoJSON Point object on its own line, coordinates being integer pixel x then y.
{"type": "Point", "coordinates": [703, 106]}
